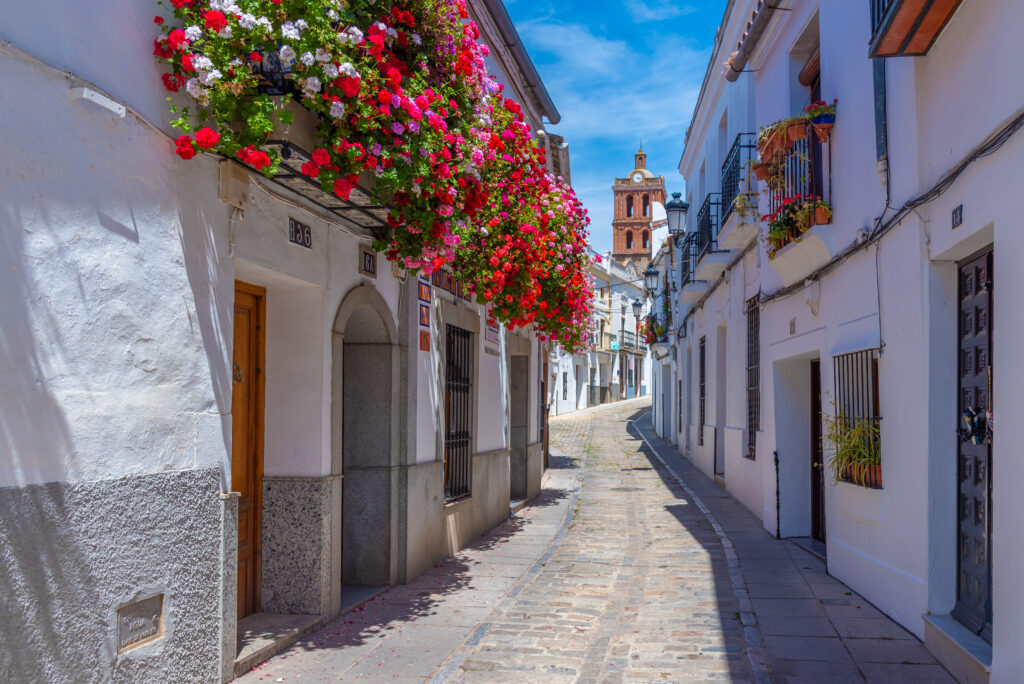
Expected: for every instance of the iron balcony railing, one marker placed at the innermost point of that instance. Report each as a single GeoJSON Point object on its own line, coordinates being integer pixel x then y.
{"type": "Point", "coordinates": [879, 8]}
{"type": "Point", "coordinates": [733, 170]}
{"type": "Point", "coordinates": [803, 175]}
{"type": "Point", "coordinates": [707, 226]}
{"type": "Point", "coordinates": [686, 246]}
{"type": "Point", "coordinates": [629, 339]}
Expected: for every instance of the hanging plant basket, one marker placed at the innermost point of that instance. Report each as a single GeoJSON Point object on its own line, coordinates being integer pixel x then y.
{"type": "Point", "coordinates": [822, 215]}
{"type": "Point", "coordinates": [761, 171]}
{"type": "Point", "coordinates": [796, 130]}
{"type": "Point", "coordinates": [823, 130]}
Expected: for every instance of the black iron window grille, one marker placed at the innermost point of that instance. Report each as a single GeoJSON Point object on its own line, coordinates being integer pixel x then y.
{"type": "Point", "coordinates": [879, 8]}
{"type": "Point", "coordinates": [701, 403]}
{"type": "Point", "coordinates": [856, 406]}
{"type": "Point", "coordinates": [753, 375]}
{"type": "Point", "coordinates": [734, 169]}
{"type": "Point", "coordinates": [458, 442]}
{"type": "Point", "coordinates": [707, 226]}
{"type": "Point", "coordinates": [802, 172]}
{"type": "Point", "coordinates": [686, 257]}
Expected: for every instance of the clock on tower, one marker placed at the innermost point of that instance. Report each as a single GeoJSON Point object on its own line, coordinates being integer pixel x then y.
{"type": "Point", "coordinates": [632, 222]}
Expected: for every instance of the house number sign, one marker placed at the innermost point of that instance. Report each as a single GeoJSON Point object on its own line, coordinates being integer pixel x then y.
{"type": "Point", "coordinates": [300, 234]}
{"type": "Point", "coordinates": [140, 622]}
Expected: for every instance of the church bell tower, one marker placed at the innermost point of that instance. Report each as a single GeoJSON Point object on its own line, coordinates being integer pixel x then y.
{"type": "Point", "coordinates": [632, 224]}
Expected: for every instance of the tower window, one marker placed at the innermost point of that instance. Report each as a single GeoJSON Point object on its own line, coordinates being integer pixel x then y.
{"type": "Point", "coordinates": [629, 207]}
{"type": "Point", "coordinates": [629, 239]}
{"type": "Point", "coordinates": [647, 206]}
{"type": "Point", "coordinates": [647, 240]}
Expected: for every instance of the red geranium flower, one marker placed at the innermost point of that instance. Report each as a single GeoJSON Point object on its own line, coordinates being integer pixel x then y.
{"type": "Point", "coordinates": [183, 146]}
{"type": "Point", "coordinates": [215, 20]}
{"type": "Point", "coordinates": [207, 138]}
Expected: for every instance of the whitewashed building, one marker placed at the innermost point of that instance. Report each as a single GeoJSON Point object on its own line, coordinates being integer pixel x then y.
{"type": "Point", "coordinates": [892, 312]}
{"type": "Point", "coordinates": [218, 402]}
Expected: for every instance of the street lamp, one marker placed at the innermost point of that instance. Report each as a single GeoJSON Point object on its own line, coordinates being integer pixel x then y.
{"type": "Point", "coordinates": [636, 308]}
{"type": "Point", "coordinates": [651, 278]}
{"type": "Point", "coordinates": [676, 210]}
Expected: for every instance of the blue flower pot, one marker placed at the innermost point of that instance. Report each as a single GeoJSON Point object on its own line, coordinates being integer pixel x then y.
{"type": "Point", "coordinates": [824, 119]}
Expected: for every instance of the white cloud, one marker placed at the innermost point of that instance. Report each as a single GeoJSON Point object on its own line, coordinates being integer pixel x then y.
{"type": "Point", "coordinates": [656, 10]}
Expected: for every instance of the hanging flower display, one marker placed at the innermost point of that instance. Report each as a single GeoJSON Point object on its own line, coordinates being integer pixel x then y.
{"type": "Point", "coordinates": [405, 104]}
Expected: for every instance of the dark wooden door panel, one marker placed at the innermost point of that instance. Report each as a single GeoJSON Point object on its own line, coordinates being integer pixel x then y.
{"type": "Point", "coordinates": [974, 449]}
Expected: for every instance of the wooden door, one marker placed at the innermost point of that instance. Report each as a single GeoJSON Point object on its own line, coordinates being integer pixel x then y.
{"type": "Point", "coordinates": [247, 438]}
{"type": "Point", "coordinates": [817, 457]}
{"type": "Point", "coordinates": [974, 453]}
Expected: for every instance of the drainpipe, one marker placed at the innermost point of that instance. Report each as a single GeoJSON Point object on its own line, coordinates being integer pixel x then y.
{"type": "Point", "coordinates": [755, 29]}
{"type": "Point", "coordinates": [777, 507]}
{"type": "Point", "coordinates": [510, 37]}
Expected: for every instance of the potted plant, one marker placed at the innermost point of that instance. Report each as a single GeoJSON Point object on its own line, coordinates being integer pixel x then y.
{"type": "Point", "coordinates": [856, 452]}
{"type": "Point", "coordinates": [822, 211]}
{"type": "Point", "coordinates": [823, 116]}
{"type": "Point", "coordinates": [796, 128]}
{"type": "Point", "coordinates": [784, 224]}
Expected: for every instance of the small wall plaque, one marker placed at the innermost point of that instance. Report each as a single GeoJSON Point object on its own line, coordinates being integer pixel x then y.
{"type": "Point", "coordinates": [958, 215]}
{"type": "Point", "coordinates": [300, 234]}
{"type": "Point", "coordinates": [140, 623]}
{"type": "Point", "coordinates": [368, 262]}
{"type": "Point", "coordinates": [424, 291]}
{"type": "Point", "coordinates": [425, 315]}
{"type": "Point", "coordinates": [424, 340]}
{"type": "Point", "coordinates": [492, 334]}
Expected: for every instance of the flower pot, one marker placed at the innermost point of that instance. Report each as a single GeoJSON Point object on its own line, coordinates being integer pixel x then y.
{"type": "Point", "coordinates": [823, 130]}
{"type": "Point", "coordinates": [761, 171]}
{"type": "Point", "coordinates": [797, 130]}
{"type": "Point", "coordinates": [824, 118]}
{"type": "Point", "coordinates": [865, 475]}
{"type": "Point", "coordinates": [822, 216]}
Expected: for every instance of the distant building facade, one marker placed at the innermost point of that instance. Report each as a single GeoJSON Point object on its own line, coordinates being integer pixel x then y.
{"type": "Point", "coordinates": [633, 218]}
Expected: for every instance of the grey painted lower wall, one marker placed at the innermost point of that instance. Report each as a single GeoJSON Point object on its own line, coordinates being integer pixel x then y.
{"type": "Point", "coordinates": [71, 554]}
{"type": "Point", "coordinates": [488, 505]}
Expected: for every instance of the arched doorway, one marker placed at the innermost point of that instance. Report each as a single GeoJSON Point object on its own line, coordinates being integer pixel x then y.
{"type": "Point", "coordinates": [364, 444]}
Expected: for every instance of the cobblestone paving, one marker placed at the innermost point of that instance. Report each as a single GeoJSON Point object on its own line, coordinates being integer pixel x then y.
{"type": "Point", "coordinates": [631, 566]}
{"type": "Point", "coordinates": [638, 590]}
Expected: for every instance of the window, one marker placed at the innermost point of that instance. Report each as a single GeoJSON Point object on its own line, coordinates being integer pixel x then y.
{"type": "Point", "coordinates": [629, 239]}
{"type": "Point", "coordinates": [629, 207]}
{"type": "Point", "coordinates": [565, 386]}
{"type": "Point", "coordinates": [647, 240]}
{"type": "Point", "coordinates": [701, 396]}
{"type": "Point", "coordinates": [647, 206]}
{"type": "Point", "coordinates": [856, 413]}
{"type": "Point", "coordinates": [753, 375]}
{"type": "Point", "coordinates": [458, 415]}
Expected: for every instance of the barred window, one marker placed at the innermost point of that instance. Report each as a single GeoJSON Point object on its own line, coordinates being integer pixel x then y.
{"type": "Point", "coordinates": [753, 375]}
{"type": "Point", "coordinates": [854, 432]}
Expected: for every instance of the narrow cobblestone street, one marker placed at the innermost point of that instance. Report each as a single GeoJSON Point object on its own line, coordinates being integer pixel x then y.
{"type": "Point", "coordinates": [631, 566]}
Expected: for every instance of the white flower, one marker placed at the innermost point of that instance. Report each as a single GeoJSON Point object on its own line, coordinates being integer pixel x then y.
{"type": "Point", "coordinates": [393, 33]}
{"type": "Point", "coordinates": [247, 21]}
{"type": "Point", "coordinates": [355, 36]}
{"type": "Point", "coordinates": [193, 88]}
{"type": "Point", "coordinates": [288, 30]}
{"type": "Point", "coordinates": [330, 71]}
{"type": "Point", "coordinates": [380, 25]}
{"type": "Point", "coordinates": [332, 15]}
{"type": "Point", "coordinates": [225, 32]}
{"type": "Point", "coordinates": [349, 70]}
{"type": "Point", "coordinates": [301, 24]}
{"type": "Point", "coordinates": [337, 109]}
{"type": "Point", "coordinates": [287, 54]}
{"type": "Point", "coordinates": [264, 23]}
{"type": "Point", "coordinates": [193, 33]}
{"type": "Point", "coordinates": [235, 62]}
{"type": "Point", "coordinates": [312, 84]}
{"type": "Point", "coordinates": [225, 6]}
{"type": "Point", "coordinates": [202, 63]}
{"type": "Point", "coordinates": [307, 58]}
{"type": "Point", "coordinates": [208, 78]}
{"type": "Point", "coordinates": [416, 39]}
{"type": "Point", "coordinates": [323, 55]}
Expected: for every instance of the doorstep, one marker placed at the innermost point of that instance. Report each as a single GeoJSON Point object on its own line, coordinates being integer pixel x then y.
{"type": "Point", "coordinates": [965, 654]}
{"type": "Point", "coordinates": [811, 546]}
{"type": "Point", "coordinates": [261, 636]}
{"type": "Point", "coordinates": [516, 505]}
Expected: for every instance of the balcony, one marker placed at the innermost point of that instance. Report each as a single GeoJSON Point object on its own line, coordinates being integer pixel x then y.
{"type": "Point", "coordinates": [739, 195]}
{"type": "Point", "coordinates": [709, 260]}
{"type": "Point", "coordinates": [628, 339]}
{"type": "Point", "coordinates": [907, 28]}
{"type": "Point", "coordinates": [691, 289]}
{"type": "Point", "coordinates": [805, 173]}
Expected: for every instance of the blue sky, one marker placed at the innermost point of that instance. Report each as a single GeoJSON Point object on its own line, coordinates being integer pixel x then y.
{"type": "Point", "coordinates": [619, 72]}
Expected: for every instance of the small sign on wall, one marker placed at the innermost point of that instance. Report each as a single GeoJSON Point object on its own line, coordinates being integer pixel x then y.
{"type": "Point", "coordinates": [425, 315]}
{"type": "Point", "coordinates": [368, 262]}
{"type": "Point", "coordinates": [424, 291]}
{"type": "Point", "coordinates": [492, 334]}
{"type": "Point", "coordinates": [958, 215]}
{"type": "Point", "coordinates": [140, 622]}
{"type": "Point", "coordinates": [424, 340]}
{"type": "Point", "coordinates": [300, 234]}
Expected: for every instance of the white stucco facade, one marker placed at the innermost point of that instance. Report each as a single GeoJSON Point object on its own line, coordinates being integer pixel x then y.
{"type": "Point", "coordinates": [895, 294]}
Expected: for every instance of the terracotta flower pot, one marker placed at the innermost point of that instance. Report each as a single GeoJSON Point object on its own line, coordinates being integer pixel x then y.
{"type": "Point", "coordinates": [761, 171]}
{"type": "Point", "coordinates": [866, 474]}
{"type": "Point", "coordinates": [797, 130]}
{"type": "Point", "coordinates": [822, 216]}
{"type": "Point", "coordinates": [823, 131]}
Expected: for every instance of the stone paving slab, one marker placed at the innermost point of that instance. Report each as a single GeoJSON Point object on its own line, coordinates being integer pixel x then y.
{"type": "Point", "coordinates": [632, 566]}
